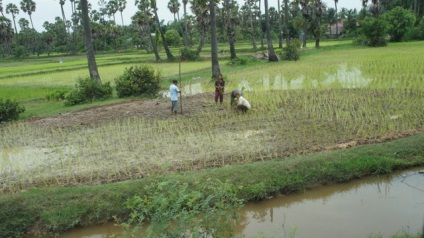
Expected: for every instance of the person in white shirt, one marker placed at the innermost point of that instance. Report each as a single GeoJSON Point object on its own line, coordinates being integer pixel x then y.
{"type": "Point", "coordinates": [174, 90]}
{"type": "Point", "coordinates": [242, 104]}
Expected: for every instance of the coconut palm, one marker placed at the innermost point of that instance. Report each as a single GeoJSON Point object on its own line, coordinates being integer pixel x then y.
{"type": "Point", "coordinates": [92, 65]}
{"type": "Point", "coordinates": [14, 10]}
{"type": "Point", "coordinates": [28, 6]}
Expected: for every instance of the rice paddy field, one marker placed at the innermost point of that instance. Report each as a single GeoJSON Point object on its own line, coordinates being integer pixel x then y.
{"type": "Point", "coordinates": [336, 97]}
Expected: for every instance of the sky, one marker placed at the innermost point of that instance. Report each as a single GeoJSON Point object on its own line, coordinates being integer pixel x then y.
{"type": "Point", "coordinates": [48, 10]}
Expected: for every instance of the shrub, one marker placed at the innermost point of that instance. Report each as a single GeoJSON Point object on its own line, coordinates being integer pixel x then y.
{"type": "Point", "coordinates": [10, 110]}
{"type": "Point", "coordinates": [87, 90]}
{"type": "Point", "coordinates": [57, 95]}
{"type": "Point", "coordinates": [400, 21]}
{"type": "Point", "coordinates": [172, 38]}
{"type": "Point", "coordinates": [188, 54]}
{"type": "Point", "coordinates": [238, 61]}
{"type": "Point", "coordinates": [137, 81]}
{"type": "Point", "coordinates": [375, 31]}
{"type": "Point", "coordinates": [291, 51]}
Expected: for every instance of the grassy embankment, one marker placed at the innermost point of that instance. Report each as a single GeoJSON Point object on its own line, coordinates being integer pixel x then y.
{"type": "Point", "coordinates": [325, 99]}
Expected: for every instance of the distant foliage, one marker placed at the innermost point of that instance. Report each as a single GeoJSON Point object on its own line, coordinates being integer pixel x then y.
{"type": "Point", "coordinates": [87, 90]}
{"type": "Point", "coordinates": [10, 110]}
{"type": "Point", "coordinates": [291, 51]}
{"type": "Point", "coordinates": [374, 32]}
{"type": "Point", "coordinates": [400, 22]}
{"type": "Point", "coordinates": [238, 61]}
{"type": "Point", "coordinates": [138, 81]}
{"type": "Point", "coordinates": [188, 54]}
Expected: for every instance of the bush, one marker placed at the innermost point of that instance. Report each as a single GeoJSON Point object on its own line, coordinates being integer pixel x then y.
{"type": "Point", "coordinates": [291, 51]}
{"type": "Point", "coordinates": [137, 81]}
{"type": "Point", "coordinates": [172, 38]}
{"type": "Point", "coordinates": [57, 95]}
{"type": "Point", "coordinates": [375, 31]}
{"type": "Point", "coordinates": [400, 21]}
{"type": "Point", "coordinates": [238, 61]}
{"type": "Point", "coordinates": [87, 90]}
{"type": "Point", "coordinates": [189, 54]}
{"type": "Point", "coordinates": [10, 110]}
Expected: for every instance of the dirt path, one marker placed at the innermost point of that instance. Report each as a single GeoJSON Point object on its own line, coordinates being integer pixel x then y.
{"type": "Point", "coordinates": [149, 109]}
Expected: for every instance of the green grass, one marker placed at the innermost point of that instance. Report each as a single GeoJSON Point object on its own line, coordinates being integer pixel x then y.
{"type": "Point", "coordinates": [45, 207]}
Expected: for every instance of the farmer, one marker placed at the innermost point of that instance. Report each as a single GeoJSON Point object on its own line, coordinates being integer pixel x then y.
{"type": "Point", "coordinates": [174, 90]}
{"type": "Point", "coordinates": [233, 102]}
{"type": "Point", "coordinates": [242, 104]}
{"type": "Point", "coordinates": [219, 89]}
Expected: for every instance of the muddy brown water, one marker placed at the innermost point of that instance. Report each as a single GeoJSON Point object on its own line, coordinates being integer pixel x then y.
{"type": "Point", "coordinates": [383, 205]}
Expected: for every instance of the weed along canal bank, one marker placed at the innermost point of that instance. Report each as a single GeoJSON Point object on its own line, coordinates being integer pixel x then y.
{"type": "Point", "coordinates": [50, 210]}
{"type": "Point", "coordinates": [380, 205]}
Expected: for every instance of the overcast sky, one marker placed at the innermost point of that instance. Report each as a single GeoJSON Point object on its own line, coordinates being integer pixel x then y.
{"type": "Point", "coordinates": [47, 10]}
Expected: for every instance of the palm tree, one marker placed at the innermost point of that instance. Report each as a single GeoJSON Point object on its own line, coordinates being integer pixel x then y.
{"type": "Point", "coordinates": [286, 20]}
{"type": "Point", "coordinates": [174, 8]}
{"type": "Point", "coordinates": [112, 8]}
{"type": "Point", "coordinates": [272, 57]}
{"type": "Point", "coordinates": [231, 20]}
{"type": "Point", "coordinates": [121, 8]}
{"type": "Point", "coordinates": [200, 10]}
{"type": "Point", "coordinates": [337, 19]}
{"type": "Point", "coordinates": [92, 65]}
{"type": "Point", "coordinates": [14, 10]}
{"type": "Point", "coordinates": [214, 43]}
{"type": "Point", "coordinates": [165, 45]}
{"type": "Point", "coordinates": [249, 4]}
{"type": "Point", "coordinates": [143, 20]}
{"type": "Point", "coordinates": [6, 32]}
{"type": "Point", "coordinates": [1, 7]}
{"type": "Point", "coordinates": [28, 6]}
{"type": "Point", "coordinates": [319, 11]}
{"type": "Point", "coordinates": [185, 23]}
{"type": "Point", "coordinates": [23, 24]}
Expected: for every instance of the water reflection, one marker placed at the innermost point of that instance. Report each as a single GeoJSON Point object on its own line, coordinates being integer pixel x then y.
{"type": "Point", "coordinates": [383, 205]}
{"type": "Point", "coordinates": [378, 205]}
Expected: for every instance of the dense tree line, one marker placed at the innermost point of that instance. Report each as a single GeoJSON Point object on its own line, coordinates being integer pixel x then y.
{"type": "Point", "coordinates": [211, 22]}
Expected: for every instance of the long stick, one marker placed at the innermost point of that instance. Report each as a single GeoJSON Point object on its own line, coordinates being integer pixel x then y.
{"type": "Point", "coordinates": [181, 96]}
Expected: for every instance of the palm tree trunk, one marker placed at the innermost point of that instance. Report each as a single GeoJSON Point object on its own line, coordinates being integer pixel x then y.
{"type": "Point", "coordinates": [214, 44]}
{"type": "Point", "coordinates": [272, 57]}
{"type": "Point", "coordinates": [185, 26]}
{"type": "Point", "coordinates": [260, 25]}
{"type": "Point", "coordinates": [280, 30]}
{"type": "Point", "coordinates": [92, 65]}
{"type": "Point", "coordinates": [337, 19]}
{"type": "Point", "coordinates": [165, 45]}
{"type": "Point", "coordinates": [286, 20]}
{"type": "Point", "coordinates": [253, 28]}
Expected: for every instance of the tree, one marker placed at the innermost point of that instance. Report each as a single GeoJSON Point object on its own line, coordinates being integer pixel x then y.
{"type": "Point", "coordinates": [186, 43]}
{"type": "Point", "coordinates": [1, 7]}
{"type": "Point", "coordinates": [174, 8]}
{"type": "Point", "coordinates": [23, 24]}
{"type": "Point", "coordinates": [400, 21]}
{"type": "Point", "coordinates": [249, 3]}
{"type": "Point", "coordinates": [319, 10]}
{"type": "Point", "coordinates": [92, 65]}
{"type": "Point", "coordinates": [272, 57]}
{"type": "Point", "coordinates": [6, 33]}
{"type": "Point", "coordinates": [112, 8]}
{"type": "Point", "coordinates": [167, 51]}
{"type": "Point", "coordinates": [201, 12]}
{"type": "Point", "coordinates": [374, 29]}
{"type": "Point", "coordinates": [28, 6]}
{"type": "Point", "coordinates": [336, 17]}
{"type": "Point", "coordinates": [231, 20]}
{"type": "Point", "coordinates": [13, 9]}
{"type": "Point", "coordinates": [214, 43]}
{"type": "Point", "coordinates": [286, 20]}
{"type": "Point", "coordinates": [121, 8]}
{"type": "Point", "coordinates": [143, 21]}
